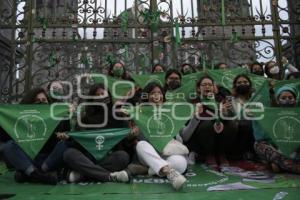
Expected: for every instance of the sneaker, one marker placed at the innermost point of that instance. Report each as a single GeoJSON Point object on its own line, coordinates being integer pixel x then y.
{"type": "Point", "coordinates": [121, 176]}
{"type": "Point", "coordinates": [176, 179]}
{"type": "Point", "coordinates": [151, 172]}
{"type": "Point", "coordinates": [74, 177]}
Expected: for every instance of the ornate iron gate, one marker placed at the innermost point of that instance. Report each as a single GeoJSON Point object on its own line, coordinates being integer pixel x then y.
{"type": "Point", "coordinates": [45, 40]}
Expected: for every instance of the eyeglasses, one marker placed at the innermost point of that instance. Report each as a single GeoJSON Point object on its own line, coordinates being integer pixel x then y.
{"type": "Point", "coordinates": [206, 85]}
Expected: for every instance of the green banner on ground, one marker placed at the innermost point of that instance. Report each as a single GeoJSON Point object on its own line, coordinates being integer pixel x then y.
{"type": "Point", "coordinates": [159, 124]}
{"type": "Point", "coordinates": [282, 126]}
{"type": "Point", "coordinates": [31, 125]}
{"type": "Point", "coordinates": [99, 142]}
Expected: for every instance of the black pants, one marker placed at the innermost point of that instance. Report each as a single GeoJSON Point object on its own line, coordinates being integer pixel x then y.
{"type": "Point", "coordinates": [245, 140]}
{"type": "Point", "coordinates": [205, 141]}
{"type": "Point", "coordinates": [79, 162]}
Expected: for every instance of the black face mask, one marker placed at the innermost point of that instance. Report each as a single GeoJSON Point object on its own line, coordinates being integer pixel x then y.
{"type": "Point", "coordinates": [287, 103]}
{"type": "Point", "coordinates": [243, 89]}
{"type": "Point", "coordinates": [40, 102]}
{"type": "Point", "coordinates": [173, 85]}
{"type": "Point", "coordinates": [259, 73]}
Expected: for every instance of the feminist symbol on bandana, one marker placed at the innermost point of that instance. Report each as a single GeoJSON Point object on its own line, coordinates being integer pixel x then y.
{"type": "Point", "coordinates": [285, 128]}
{"type": "Point", "coordinates": [30, 127]}
{"type": "Point", "coordinates": [160, 124]}
{"type": "Point", "coordinates": [99, 141]}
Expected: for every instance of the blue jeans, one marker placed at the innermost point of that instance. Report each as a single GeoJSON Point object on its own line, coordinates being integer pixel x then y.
{"type": "Point", "coordinates": [21, 161]}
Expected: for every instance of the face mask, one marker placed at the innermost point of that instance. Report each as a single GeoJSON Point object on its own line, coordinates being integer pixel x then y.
{"type": "Point", "coordinates": [287, 103]}
{"type": "Point", "coordinates": [40, 102]}
{"type": "Point", "coordinates": [187, 71]}
{"type": "Point", "coordinates": [243, 89]}
{"type": "Point", "coordinates": [274, 70]}
{"type": "Point", "coordinates": [57, 92]}
{"type": "Point", "coordinates": [174, 85]}
{"type": "Point", "coordinates": [118, 72]}
{"type": "Point", "coordinates": [259, 73]}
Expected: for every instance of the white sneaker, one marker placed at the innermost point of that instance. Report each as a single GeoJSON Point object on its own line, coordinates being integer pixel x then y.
{"type": "Point", "coordinates": [121, 176]}
{"type": "Point", "coordinates": [176, 179]}
{"type": "Point", "coordinates": [151, 172]}
{"type": "Point", "coordinates": [74, 177]}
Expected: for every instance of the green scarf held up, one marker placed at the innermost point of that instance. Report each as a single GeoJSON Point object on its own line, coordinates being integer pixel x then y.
{"type": "Point", "coordinates": [159, 124]}
{"type": "Point", "coordinates": [99, 142]}
{"type": "Point", "coordinates": [30, 126]}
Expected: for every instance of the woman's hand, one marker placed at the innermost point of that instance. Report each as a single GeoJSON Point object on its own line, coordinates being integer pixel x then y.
{"type": "Point", "coordinates": [272, 84]}
{"type": "Point", "coordinates": [199, 109]}
{"type": "Point", "coordinates": [62, 135]}
{"type": "Point", "coordinates": [72, 107]}
{"type": "Point", "coordinates": [226, 107]}
{"type": "Point", "coordinates": [135, 131]}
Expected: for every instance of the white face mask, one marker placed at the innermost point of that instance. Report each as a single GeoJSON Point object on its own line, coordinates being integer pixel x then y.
{"type": "Point", "coordinates": [274, 70]}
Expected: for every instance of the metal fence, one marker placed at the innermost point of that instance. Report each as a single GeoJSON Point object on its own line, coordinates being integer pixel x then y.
{"type": "Point", "coordinates": [46, 40]}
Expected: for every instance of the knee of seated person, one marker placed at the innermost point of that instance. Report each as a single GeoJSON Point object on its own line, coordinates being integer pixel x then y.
{"type": "Point", "coordinates": [8, 145]}
{"type": "Point", "coordinates": [123, 156]}
{"type": "Point", "coordinates": [141, 145]}
{"type": "Point", "coordinates": [68, 154]}
{"type": "Point", "coordinates": [178, 162]}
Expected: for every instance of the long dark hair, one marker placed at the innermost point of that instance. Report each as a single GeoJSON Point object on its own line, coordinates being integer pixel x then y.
{"type": "Point", "coordinates": [184, 64]}
{"type": "Point", "coordinates": [111, 70]}
{"type": "Point", "coordinates": [168, 73]}
{"type": "Point", "coordinates": [256, 63]}
{"type": "Point", "coordinates": [48, 87]}
{"type": "Point", "coordinates": [147, 90]}
{"type": "Point", "coordinates": [30, 96]}
{"type": "Point", "coordinates": [90, 110]}
{"type": "Point", "coordinates": [153, 68]}
{"type": "Point", "coordinates": [95, 114]}
{"type": "Point", "coordinates": [250, 84]}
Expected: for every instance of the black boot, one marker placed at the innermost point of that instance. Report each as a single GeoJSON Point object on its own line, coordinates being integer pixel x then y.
{"type": "Point", "coordinates": [21, 177]}
{"type": "Point", "coordinates": [41, 177]}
